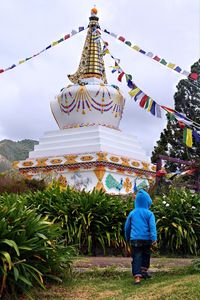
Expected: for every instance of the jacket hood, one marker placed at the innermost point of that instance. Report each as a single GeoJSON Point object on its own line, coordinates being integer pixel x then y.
{"type": "Point", "coordinates": [143, 200]}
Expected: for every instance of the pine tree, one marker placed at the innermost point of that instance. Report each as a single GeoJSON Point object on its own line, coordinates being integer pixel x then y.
{"type": "Point", "coordinates": [187, 101]}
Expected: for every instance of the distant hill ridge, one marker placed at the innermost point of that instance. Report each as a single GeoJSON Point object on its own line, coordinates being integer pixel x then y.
{"type": "Point", "coordinates": [11, 151]}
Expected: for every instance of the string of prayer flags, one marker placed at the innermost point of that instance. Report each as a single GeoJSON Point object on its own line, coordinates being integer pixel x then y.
{"type": "Point", "coordinates": [187, 137]}
{"type": "Point", "coordinates": [157, 58]}
{"type": "Point", "coordinates": [54, 43]}
{"type": "Point", "coordinates": [154, 108]}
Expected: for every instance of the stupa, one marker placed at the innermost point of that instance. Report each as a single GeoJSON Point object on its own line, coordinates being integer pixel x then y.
{"type": "Point", "coordinates": [89, 150]}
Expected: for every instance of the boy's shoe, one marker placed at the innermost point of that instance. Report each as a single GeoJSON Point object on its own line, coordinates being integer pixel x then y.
{"type": "Point", "coordinates": [146, 275]}
{"type": "Point", "coordinates": [137, 280]}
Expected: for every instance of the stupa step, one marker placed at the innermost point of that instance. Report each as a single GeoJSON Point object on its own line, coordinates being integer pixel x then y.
{"type": "Point", "coordinates": [85, 140]}
{"type": "Point", "coordinates": [59, 151]}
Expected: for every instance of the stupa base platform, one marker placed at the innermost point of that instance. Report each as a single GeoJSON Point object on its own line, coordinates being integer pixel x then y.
{"type": "Point", "coordinates": [100, 170]}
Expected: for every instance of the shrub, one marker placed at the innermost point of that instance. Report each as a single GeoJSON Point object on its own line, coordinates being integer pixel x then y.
{"type": "Point", "coordinates": [31, 249]}
{"type": "Point", "coordinates": [178, 221]}
{"type": "Point", "coordinates": [93, 221]}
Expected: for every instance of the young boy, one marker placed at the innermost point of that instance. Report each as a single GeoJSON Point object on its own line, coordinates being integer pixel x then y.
{"type": "Point", "coordinates": [140, 231]}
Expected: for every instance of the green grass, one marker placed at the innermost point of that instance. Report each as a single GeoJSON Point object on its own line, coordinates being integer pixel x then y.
{"type": "Point", "coordinates": [116, 284]}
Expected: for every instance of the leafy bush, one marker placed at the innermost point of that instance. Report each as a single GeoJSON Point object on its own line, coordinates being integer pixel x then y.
{"type": "Point", "coordinates": [93, 221]}
{"type": "Point", "coordinates": [30, 247]}
{"type": "Point", "coordinates": [178, 221]}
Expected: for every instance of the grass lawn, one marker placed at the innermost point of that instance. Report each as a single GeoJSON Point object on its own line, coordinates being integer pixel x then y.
{"type": "Point", "coordinates": [112, 283]}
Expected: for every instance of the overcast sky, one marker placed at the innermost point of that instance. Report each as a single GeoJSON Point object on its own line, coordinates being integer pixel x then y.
{"type": "Point", "coordinates": [168, 28]}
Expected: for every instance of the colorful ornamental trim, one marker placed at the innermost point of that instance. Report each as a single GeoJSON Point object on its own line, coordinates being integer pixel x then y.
{"type": "Point", "coordinates": [83, 102]}
{"type": "Point", "coordinates": [88, 166]}
{"type": "Point", "coordinates": [87, 159]}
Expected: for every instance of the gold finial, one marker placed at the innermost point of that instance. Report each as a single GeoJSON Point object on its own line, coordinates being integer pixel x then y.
{"type": "Point", "coordinates": [91, 63]}
{"type": "Point", "coordinates": [94, 11]}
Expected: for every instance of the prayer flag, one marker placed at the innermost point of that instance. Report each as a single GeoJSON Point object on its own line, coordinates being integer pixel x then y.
{"type": "Point", "coordinates": [142, 51]}
{"type": "Point", "coordinates": [143, 101]}
{"type": "Point", "coordinates": [133, 92]}
{"type": "Point", "coordinates": [60, 40]}
{"type": "Point", "coordinates": [21, 62]}
{"type": "Point", "coordinates": [150, 54]}
{"type": "Point", "coordinates": [171, 116]}
{"type": "Point", "coordinates": [113, 34]}
{"type": "Point", "coordinates": [1, 70]}
{"type": "Point", "coordinates": [128, 77]}
{"type": "Point", "coordinates": [170, 110]}
{"type": "Point", "coordinates": [67, 36]}
{"type": "Point", "coordinates": [194, 76]}
{"type": "Point", "coordinates": [163, 62]}
{"type": "Point", "coordinates": [128, 43]}
{"type": "Point", "coordinates": [147, 103]}
{"type": "Point", "coordinates": [121, 38]}
{"type": "Point", "coordinates": [178, 69]}
{"type": "Point", "coordinates": [158, 110]}
{"type": "Point", "coordinates": [171, 66]}
{"type": "Point", "coordinates": [73, 32]}
{"type": "Point", "coordinates": [187, 136]}
{"type": "Point", "coordinates": [153, 106]}
{"type": "Point", "coordinates": [120, 76]}
{"type": "Point", "coordinates": [139, 96]}
{"type": "Point", "coordinates": [80, 28]}
{"type": "Point", "coordinates": [130, 84]}
{"type": "Point", "coordinates": [186, 73]}
{"type": "Point", "coordinates": [150, 105]}
{"type": "Point", "coordinates": [137, 48]}
{"type": "Point", "coordinates": [196, 136]}
{"type": "Point", "coordinates": [48, 47]}
{"type": "Point", "coordinates": [156, 58]}
{"type": "Point", "coordinates": [54, 43]}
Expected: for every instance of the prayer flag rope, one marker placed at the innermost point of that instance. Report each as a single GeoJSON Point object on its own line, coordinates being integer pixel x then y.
{"type": "Point", "coordinates": [162, 61]}
{"type": "Point", "coordinates": [64, 38]}
{"type": "Point", "coordinates": [152, 106]}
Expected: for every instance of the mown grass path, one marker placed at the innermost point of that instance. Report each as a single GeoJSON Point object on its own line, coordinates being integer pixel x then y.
{"type": "Point", "coordinates": [110, 279]}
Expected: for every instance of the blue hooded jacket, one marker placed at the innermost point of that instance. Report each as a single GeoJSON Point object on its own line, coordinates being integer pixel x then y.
{"type": "Point", "coordinates": [140, 223]}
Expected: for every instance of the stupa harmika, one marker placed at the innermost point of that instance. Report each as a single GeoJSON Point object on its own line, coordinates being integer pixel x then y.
{"type": "Point", "coordinates": [89, 151]}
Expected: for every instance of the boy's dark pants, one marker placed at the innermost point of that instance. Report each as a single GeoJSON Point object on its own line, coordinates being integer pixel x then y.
{"type": "Point", "coordinates": [141, 253]}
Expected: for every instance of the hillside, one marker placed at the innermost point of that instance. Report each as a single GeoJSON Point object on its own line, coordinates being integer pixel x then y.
{"type": "Point", "coordinates": [11, 151]}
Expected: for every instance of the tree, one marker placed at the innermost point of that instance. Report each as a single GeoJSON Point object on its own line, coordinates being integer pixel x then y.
{"type": "Point", "coordinates": [187, 101]}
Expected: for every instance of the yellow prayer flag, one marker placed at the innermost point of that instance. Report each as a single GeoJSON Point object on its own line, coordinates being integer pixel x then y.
{"type": "Point", "coordinates": [135, 47]}
{"type": "Point", "coordinates": [21, 61]}
{"type": "Point", "coordinates": [54, 43]}
{"type": "Point", "coordinates": [171, 66]}
{"type": "Point", "coordinates": [189, 137]}
{"type": "Point", "coordinates": [150, 105]}
{"type": "Point", "coordinates": [133, 92]}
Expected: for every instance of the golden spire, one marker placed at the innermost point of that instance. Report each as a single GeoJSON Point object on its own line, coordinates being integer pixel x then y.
{"type": "Point", "coordinates": [91, 63]}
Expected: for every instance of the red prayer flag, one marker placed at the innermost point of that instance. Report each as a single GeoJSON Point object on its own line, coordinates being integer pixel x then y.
{"type": "Point", "coordinates": [181, 124]}
{"type": "Point", "coordinates": [120, 76]}
{"type": "Point", "coordinates": [194, 76]}
{"type": "Point", "coordinates": [67, 36]}
{"type": "Point", "coordinates": [1, 70]}
{"type": "Point", "coordinates": [121, 38]}
{"type": "Point", "coordinates": [156, 58]}
{"type": "Point", "coordinates": [143, 100]}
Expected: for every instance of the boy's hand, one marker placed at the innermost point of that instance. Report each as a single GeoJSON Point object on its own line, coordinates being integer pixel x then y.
{"type": "Point", "coordinates": [154, 246]}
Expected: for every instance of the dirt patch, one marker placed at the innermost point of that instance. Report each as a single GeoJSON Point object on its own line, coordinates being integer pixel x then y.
{"type": "Point", "coordinates": [125, 262]}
